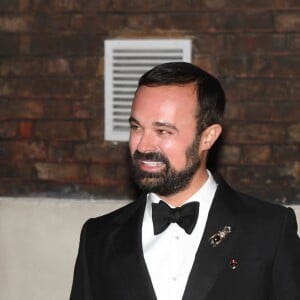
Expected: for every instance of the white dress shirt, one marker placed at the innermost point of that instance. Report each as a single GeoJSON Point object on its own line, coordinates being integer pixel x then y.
{"type": "Point", "coordinates": [170, 255]}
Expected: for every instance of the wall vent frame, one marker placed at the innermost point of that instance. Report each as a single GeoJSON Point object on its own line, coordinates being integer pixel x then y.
{"type": "Point", "coordinates": [125, 61]}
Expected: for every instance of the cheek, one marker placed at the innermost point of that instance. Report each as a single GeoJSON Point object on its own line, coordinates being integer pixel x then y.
{"type": "Point", "coordinates": [176, 153]}
{"type": "Point", "coordinates": [132, 143]}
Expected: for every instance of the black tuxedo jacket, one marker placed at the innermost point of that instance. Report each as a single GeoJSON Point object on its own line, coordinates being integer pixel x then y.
{"type": "Point", "coordinates": [263, 242]}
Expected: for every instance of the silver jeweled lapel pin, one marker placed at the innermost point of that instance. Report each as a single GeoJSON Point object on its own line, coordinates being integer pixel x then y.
{"type": "Point", "coordinates": [218, 237]}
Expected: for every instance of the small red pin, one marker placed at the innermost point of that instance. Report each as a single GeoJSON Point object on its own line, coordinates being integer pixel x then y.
{"type": "Point", "coordinates": [233, 264]}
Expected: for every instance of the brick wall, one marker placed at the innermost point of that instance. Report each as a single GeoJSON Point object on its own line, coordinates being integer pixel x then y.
{"type": "Point", "coordinates": [51, 91]}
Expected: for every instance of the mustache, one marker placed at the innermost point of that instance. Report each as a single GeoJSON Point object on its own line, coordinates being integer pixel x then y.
{"type": "Point", "coordinates": [150, 156]}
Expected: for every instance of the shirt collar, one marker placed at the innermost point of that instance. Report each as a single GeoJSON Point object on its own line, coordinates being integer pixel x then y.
{"type": "Point", "coordinates": [206, 191]}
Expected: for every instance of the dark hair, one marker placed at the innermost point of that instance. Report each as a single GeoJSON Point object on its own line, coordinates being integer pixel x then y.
{"type": "Point", "coordinates": [210, 94]}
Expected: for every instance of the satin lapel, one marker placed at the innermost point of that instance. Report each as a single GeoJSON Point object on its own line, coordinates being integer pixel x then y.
{"type": "Point", "coordinates": [129, 259]}
{"type": "Point", "coordinates": [209, 260]}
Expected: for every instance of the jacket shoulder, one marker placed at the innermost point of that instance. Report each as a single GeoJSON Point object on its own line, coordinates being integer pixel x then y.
{"type": "Point", "coordinates": [262, 207]}
{"type": "Point", "coordinates": [115, 218]}
{"type": "Point", "coordinates": [245, 203]}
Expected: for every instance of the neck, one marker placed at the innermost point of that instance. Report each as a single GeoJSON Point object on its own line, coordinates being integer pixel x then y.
{"type": "Point", "coordinates": [178, 199]}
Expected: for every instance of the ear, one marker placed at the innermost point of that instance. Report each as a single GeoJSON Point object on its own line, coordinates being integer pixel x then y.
{"type": "Point", "coordinates": [209, 136]}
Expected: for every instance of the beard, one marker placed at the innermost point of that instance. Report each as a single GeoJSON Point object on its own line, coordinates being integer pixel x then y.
{"type": "Point", "coordinates": [168, 181]}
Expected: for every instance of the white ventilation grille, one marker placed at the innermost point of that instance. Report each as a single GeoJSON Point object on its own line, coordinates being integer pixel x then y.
{"type": "Point", "coordinates": [125, 62]}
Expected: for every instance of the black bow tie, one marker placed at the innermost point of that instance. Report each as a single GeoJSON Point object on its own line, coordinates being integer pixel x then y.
{"type": "Point", "coordinates": [185, 216]}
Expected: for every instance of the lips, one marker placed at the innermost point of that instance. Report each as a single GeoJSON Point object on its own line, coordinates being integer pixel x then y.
{"type": "Point", "coordinates": [151, 166]}
{"type": "Point", "coordinates": [151, 163]}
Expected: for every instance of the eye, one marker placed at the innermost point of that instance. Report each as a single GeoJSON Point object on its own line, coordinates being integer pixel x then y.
{"type": "Point", "coordinates": [134, 127]}
{"type": "Point", "coordinates": [164, 132]}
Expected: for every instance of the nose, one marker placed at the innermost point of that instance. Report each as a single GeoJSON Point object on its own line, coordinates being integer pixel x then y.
{"type": "Point", "coordinates": [146, 143]}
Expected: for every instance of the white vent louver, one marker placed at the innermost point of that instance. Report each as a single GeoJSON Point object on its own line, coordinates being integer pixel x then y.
{"type": "Point", "coordinates": [125, 62]}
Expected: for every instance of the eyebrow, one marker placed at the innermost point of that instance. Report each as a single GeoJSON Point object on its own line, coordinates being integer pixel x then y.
{"type": "Point", "coordinates": [156, 124]}
{"type": "Point", "coordinates": [133, 120]}
{"type": "Point", "coordinates": [165, 124]}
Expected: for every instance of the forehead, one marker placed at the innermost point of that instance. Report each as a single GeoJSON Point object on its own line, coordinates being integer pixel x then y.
{"type": "Point", "coordinates": [165, 103]}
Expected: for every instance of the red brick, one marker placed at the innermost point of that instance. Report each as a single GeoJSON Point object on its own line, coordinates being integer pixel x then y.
{"type": "Point", "coordinates": [94, 152]}
{"type": "Point", "coordinates": [25, 44]}
{"type": "Point", "coordinates": [281, 150]}
{"type": "Point", "coordinates": [66, 5]}
{"type": "Point", "coordinates": [87, 66]}
{"type": "Point", "coordinates": [259, 89]}
{"type": "Point", "coordinates": [230, 155]}
{"type": "Point", "coordinates": [15, 23]}
{"type": "Point", "coordinates": [256, 155]}
{"type": "Point", "coordinates": [294, 133]}
{"type": "Point", "coordinates": [60, 130]}
{"type": "Point", "coordinates": [50, 6]}
{"type": "Point", "coordinates": [57, 66]}
{"type": "Point", "coordinates": [110, 6]}
{"type": "Point", "coordinates": [56, 88]}
{"type": "Point", "coordinates": [23, 150]}
{"type": "Point", "coordinates": [7, 170]}
{"type": "Point", "coordinates": [198, 22]}
{"type": "Point", "coordinates": [182, 5]}
{"type": "Point", "coordinates": [30, 150]}
{"type": "Point", "coordinates": [255, 133]}
{"type": "Point", "coordinates": [107, 173]}
{"type": "Point", "coordinates": [145, 6]}
{"type": "Point", "coordinates": [258, 20]}
{"type": "Point", "coordinates": [256, 176]}
{"type": "Point", "coordinates": [82, 110]}
{"type": "Point", "coordinates": [9, 5]}
{"type": "Point", "coordinates": [50, 22]}
{"type": "Point", "coordinates": [24, 170]}
{"type": "Point", "coordinates": [286, 112]}
{"type": "Point", "coordinates": [235, 111]}
{"type": "Point", "coordinates": [9, 186]}
{"type": "Point", "coordinates": [292, 3]}
{"type": "Point", "coordinates": [96, 129]}
{"type": "Point", "coordinates": [58, 110]}
{"type": "Point", "coordinates": [222, 21]}
{"type": "Point", "coordinates": [284, 65]}
{"type": "Point", "coordinates": [250, 43]}
{"type": "Point", "coordinates": [296, 171]}
{"type": "Point", "coordinates": [97, 23]}
{"type": "Point", "coordinates": [265, 66]}
{"type": "Point", "coordinates": [294, 88]}
{"type": "Point", "coordinates": [206, 62]}
{"type": "Point", "coordinates": [175, 21]}
{"type": "Point", "coordinates": [288, 21]}
{"type": "Point", "coordinates": [65, 44]}
{"type": "Point", "coordinates": [61, 151]}
{"type": "Point", "coordinates": [61, 171]}
{"type": "Point", "coordinates": [90, 152]}
{"type": "Point", "coordinates": [17, 172]}
{"type": "Point", "coordinates": [25, 129]}
{"type": "Point", "coordinates": [21, 66]}
{"type": "Point", "coordinates": [294, 42]}
{"type": "Point", "coordinates": [8, 129]}
{"type": "Point", "coordinates": [14, 109]}
{"type": "Point", "coordinates": [9, 43]}
{"type": "Point", "coordinates": [283, 112]}
{"type": "Point", "coordinates": [250, 4]}
{"type": "Point", "coordinates": [134, 22]}
{"type": "Point", "coordinates": [208, 43]}
{"type": "Point", "coordinates": [258, 111]}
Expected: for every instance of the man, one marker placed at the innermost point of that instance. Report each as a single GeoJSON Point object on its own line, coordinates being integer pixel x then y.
{"type": "Point", "coordinates": [214, 243]}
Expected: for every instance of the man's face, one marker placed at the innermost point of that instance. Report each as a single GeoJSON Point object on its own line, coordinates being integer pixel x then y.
{"type": "Point", "coordinates": [163, 141]}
